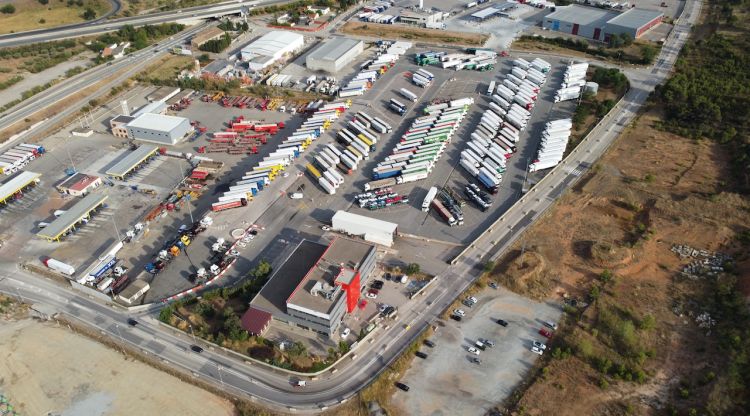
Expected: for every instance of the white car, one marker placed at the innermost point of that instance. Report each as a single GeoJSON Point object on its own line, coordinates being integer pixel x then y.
{"type": "Point", "coordinates": [473, 350]}
{"type": "Point", "coordinates": [371, 295]}
{"type": "Point", "coordinates": [537, 344]}
{"type": "Point", "coordinates": [346, 332]}
{"type": "Point", "coordinates": [551, 325]}
{"type": "Point", "coordinates": [472, 299]}
{"type": "Point", "coordinates": [459, 312]}
{"type": "Point", "coordinates": [382, 307]}
{"type": "Point", "coordinates": [537, 351]}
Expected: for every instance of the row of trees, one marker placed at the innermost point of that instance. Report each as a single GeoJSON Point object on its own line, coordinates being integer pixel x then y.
{"type": "Point", "coordinates": [139, 38]}
{"type": "Point", "coordinates": [647, 51]}
{"type": "Point", "coordinates": [217, 45]}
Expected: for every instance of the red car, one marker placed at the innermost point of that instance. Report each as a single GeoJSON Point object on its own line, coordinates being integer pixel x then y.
{"type": "Point", "coordinates": [545, 332]}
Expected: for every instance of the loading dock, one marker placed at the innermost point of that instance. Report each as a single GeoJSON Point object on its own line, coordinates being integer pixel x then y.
{"type": "Point", "coordinates": [70, 219]}
{"type": "Point", "coordinates": [132, 161]}
{"type": "Point", "coordinates": [17, 184]}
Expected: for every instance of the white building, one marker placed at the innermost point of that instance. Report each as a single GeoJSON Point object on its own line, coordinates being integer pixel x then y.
{"type": "Point", "coordinates": [271, 47]}
{"type": "Point", "coordinates": [158, 128]}
{"type": "Point", "coordinates": [333, 55]}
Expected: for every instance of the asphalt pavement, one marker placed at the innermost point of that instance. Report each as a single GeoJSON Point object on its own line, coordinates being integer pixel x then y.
{"type": "Point", "coordinates": [273, 388]}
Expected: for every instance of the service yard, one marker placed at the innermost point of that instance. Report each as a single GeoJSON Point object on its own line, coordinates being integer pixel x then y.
{"type": "Point", "coordinates": [51, 370]}
{"type": "Point", "coordinates": [447, 382]}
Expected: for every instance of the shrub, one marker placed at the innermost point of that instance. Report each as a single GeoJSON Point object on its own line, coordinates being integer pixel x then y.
{"type": "Point", "coordinates": [413, 268]}
{"type": "Point", "coordinates": [647, 323]}
{"type": "Point", "coordinates": [8, 9]}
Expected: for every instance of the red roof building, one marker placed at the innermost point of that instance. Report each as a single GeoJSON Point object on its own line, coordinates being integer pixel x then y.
{"type": "Point", "coordinates": [256, 321]}
{"type": "Point", "coordinates": [79, 184]}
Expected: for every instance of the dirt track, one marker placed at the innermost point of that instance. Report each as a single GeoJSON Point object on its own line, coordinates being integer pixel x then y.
{"type": "Point", "coordinates": [48, 369]}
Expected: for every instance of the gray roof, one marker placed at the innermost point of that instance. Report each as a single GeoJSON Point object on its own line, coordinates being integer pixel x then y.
{"type": "Point", "coordinates": [15, 184]}
{"type": "Point", "coordinates": [581, 15]}
{"type": "Point", "coordinates": [72, 216]}
{"type": "Point", "coordinates": [132, 160]}
{"type": "Point", "coordinates": [157, 122]}
{"type": "Point", "coordinates": [123, 119]}
{"type": "Point", "coordinates": [333, 49]}
{"type": "Point", "coordinates": [635, 18]}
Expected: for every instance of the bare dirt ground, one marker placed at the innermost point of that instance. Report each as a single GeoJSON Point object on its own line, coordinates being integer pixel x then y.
{"type": "Point", "coordinates": [653, 190]}
{"type": "Point", "coordinates": [45, 369]}
{"type": "Point", "coordinates": [413, 33]}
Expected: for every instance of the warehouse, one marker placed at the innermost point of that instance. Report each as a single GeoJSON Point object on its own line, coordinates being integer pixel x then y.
{"type": "Point", "coordinates": [601, 24]}
{"type": "Point", "coordinates": [492, 11]}
{"type": "Point", "coordinates": [271, 47]}
{"type": "Point", "coordinates": [333, 55]}
{"type": "Point", "coordinates": [118, 126]}
{"type": "Point", "coordinates": [315, 287]}
{"type": "Point", "coordinates": [158, 128]}
{"type": "Point", "coordinates": [420, 18]}
{"type": "Point", "coordinates": [370, 229]}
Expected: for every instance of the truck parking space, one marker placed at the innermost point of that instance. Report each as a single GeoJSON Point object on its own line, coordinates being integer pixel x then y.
{"type": "Point", "coordinates": [439, 383]}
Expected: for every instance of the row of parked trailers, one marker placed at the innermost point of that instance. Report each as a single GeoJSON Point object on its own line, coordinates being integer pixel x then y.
{"type": "Point", "coordinates": [574, 79]}
{"type": "Point", "coordinates": [422, 78]}
{"type": "Point", "coordinates": [495, 138]}
{"type": "Point", "coordinates": [371, 70]}
{"type": "Point", "coordinates": [446, 204]}
{"type": "Point", "coordinates": [372, 17]}
{"type": "Point", "coordinates": [276, 162]}
{"type": "Point", "coordinates": [357, 139]}
{"type": "Point", "coordinates": [479, 59]}
{"type": "Point", "coordinates": [414, 157]}
{"type": "Point", "coordinates": [553, 144]}
{"type": "Point", "coordinates": [15, 159]}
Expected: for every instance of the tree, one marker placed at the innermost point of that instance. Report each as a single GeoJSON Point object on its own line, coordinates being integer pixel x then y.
{"type": "Point", "coordinates": [298, 349]}
{"type": "Point", "coordinates": [8, 9]}
{"type": "Point", "coordinates": [343, 347]}
{"type": "Point", "coordinates": [89, 14]}
{"type": "Point", "coordinates": [43, 2]}
{"type": "Point", "coordinates": [413, 268]}
{"type": "Point", "coordinates": [140, 40]}
{"type": "Point", "coordinates": [648, 53]}
{"type": "Point", "coordinates": [165, 315]}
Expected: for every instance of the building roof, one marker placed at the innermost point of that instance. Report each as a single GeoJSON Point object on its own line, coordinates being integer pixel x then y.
{"type": "Point", "coordinates": [159, 122]}
{"type": "Point", "coordinates": [366, 222]}
{"type": "Point", "coordinates": [134, 287]}
{"type": "Point", "coordinates": [321, 279]}
{"type": "Point", "coordinates": [78, 182]}
{"type": "Point", "coordinates": [152, 108]}
{"type": "Point", "coordinates": [203, 36]}
{"type": "Point", "coordinates": [272, 42]}
{"type": "Point", "coordinates": [581, 15]}
{"type": "Point", "coordinates": [485, 13]}
{"type": "Point", "coordinates": [333, 49]}
{"type": "Point", "coordinates": [122, 119]}
{"type": "Point", "coordinates": [635, 18]}
{"type": "Point", "coordinates": [255, 321]}
{"type": "Point", "coordinates": [163, 94]}
{"type": "Point", "coordinates": [126, 164]}
{"type": "Point", "coordinates": [416, 15]}
{"type": "Point", "coordinates": [16, 183]}
{"type": "Point", "coordinates": [72, 216]}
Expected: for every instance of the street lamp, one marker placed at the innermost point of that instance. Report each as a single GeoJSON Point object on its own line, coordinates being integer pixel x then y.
{"type": "Point", "coordinates": [218, 368]}
{"type": "Point", "coordinates": [117, 326]}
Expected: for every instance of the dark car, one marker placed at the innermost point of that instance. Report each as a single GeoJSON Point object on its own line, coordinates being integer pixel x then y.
{"type": "Point", "coordinates": [377, 284]}
{"type": "Point", "coordinates": [420, 354]}
{"type": "Point", "coordinates": [387, 276]}
{"type": "Point", "coordinates": [196, 349]}
{"type": "Point", "coordinates": [429, 343]}
{"type": "Point", "coordinates": [132, 322]}
{"type": "Point", "coordinates": [456, 318]}
{"type": "Point", "coordinates": [253, 232]}
{"type": "Point", "coordinates": [402, 386]}
{"type": "Point", "coordinates": [501, 322]}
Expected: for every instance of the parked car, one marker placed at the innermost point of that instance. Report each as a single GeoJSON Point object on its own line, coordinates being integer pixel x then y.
{"type": "Point", "coordinates": [429, 343]}
{"type": "Point", "coordinates": [479, 344]}
{"type": "Point", "coordinates": [472, 299]}
{"type": "Point", "coordinates": [420, 354]}
{"type": "Point", "coordinates": [487, 342]}
{"type": "Point", "coordinates": [473, 350]}
{"type": "Point", "coordinates": [459, 312]}
{"type": "Point", "coordinates": [475, 360]}
{"type": "Point", "coordinates": [372, 294]}
{"type": "Point", "coordinates": [551, 325]}
{"type": "Point", "coordinates": [346, 332]}
{"type": "Point", "coordinates": [539, 345]}
{"type": "Point", "coordinates": [493, 285]}
{"type": "Point", "coordinates": [377, 284]}
{"type": "Point", "coordinates": [387, 276]}
{"type": "Point", "coordinates": [383, 307]}
{"type": "Point", "coordinates": [325, 227]}
{"type": "Point", "coordinates": [456, 318]}
{"type": "Point", "coordinates": [502, 322]}
{"type": "Point", "coordinates": [545, 332]}
{"type": "Point", "coordinates": [402, 386]}
{"type": "Point", "coordinates": [537, 351]}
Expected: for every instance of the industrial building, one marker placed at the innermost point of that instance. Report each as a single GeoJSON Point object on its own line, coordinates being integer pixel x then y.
{"type": "Point", "coordinates": [163, 94]}
{"type": "Point", "coordinates": [497, 10]}
{"type": "Point", "coordinates": [370, 229]}
{"type": "Point", "coordinates": [14, 188]}
{"type": "Point", "coordinates": [204, 36]}
{"type": "Point", "coordinates": [420, 18]}
{"type": "Point", "coordinates": [271, 47]}
{"type": "Point", "coordinates": [155, 107]}
{"type": "Point", "coordinates": [158, 128]}
{"type": "Point", "coordinates": [333, 55]}
{"type": "Point", "coordinates": [315, 287]}
{"type": "Point", "coordinates": [118, 126]}
{"type": "Point", "coordinates": [133, 160]}
{"type": "Point", "coordinates": [600, 24]}
{"type": "Point", "coordinates": [79, 184]}
{"type": "Point", "coordinates": [133, 291]}
{"type": "Point", "coordinates": [69, 220]}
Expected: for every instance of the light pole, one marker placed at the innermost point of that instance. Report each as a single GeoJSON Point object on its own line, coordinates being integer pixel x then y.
{"type": "Point", "coordinates": [117, 326]}
{"type": "Point", "coordinates": [182, 174]}
{"type": "Point", "coordinates": [70, 157]}
{"type": "Point", "coordinates": [116, 230]}
{"type": "Point", "coordinates": [218, 368]}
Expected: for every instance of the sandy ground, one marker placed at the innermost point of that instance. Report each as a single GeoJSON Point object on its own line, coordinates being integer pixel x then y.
{"type": "Point", "coordinates": [45, 369]}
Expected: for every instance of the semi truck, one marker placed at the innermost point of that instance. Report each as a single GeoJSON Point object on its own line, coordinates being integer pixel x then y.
{"type": "Point", "coordinates": [443, 212]}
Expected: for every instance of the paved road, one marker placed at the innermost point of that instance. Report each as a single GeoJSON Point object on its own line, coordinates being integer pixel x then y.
{"type": "Point", "coordinates": [273, 388]}
{"type": "Point", "coordinates": [102, 26]}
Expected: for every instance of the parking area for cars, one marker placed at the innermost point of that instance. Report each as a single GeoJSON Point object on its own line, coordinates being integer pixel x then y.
{"type": "Point", "coordinates": [447, 382]}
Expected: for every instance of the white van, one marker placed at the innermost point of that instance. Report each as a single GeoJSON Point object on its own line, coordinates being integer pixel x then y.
{"type": "Point", "coordinates": [296, 195]}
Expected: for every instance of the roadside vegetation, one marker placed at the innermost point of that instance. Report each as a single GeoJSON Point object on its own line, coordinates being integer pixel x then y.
{"type": "Point", "coordinates": [619, 49]}
{"type": "Point", "coordinates": [23, 15]}
{"type": "Point", "coordinates": [613, 84]}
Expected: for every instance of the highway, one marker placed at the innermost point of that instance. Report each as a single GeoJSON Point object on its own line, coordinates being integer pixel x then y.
{"type": "Point", "coordinates": [102, 26]}
{"type": "Point", "coordinates": [273, 388]}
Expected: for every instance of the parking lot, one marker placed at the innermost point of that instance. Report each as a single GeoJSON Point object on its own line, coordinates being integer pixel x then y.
{"type": "Point", "coordinates": [447, 382]}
